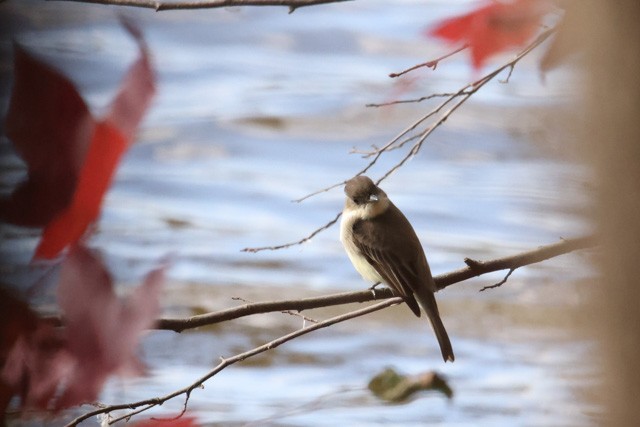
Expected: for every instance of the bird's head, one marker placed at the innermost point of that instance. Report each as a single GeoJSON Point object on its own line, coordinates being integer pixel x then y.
{"type": "Point", "coordinates": [364, 195]}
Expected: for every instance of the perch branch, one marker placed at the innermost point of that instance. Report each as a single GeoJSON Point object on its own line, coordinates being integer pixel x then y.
{"type": "Point", "coordinates": [206, 4]}
{"type": "Point", "coordinates": [473, 269]}
{"type": "Point", "coordinates": [501, 282]}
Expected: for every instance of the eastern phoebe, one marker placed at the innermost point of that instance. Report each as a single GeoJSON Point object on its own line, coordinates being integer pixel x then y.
{"type": "Point", "coordinates": [383, 247]}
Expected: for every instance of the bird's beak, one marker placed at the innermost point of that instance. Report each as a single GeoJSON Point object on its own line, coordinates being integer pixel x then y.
{"type": "Point", "coordinates": [373, 198]}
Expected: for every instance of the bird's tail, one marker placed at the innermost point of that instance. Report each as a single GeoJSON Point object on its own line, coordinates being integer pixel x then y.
{"type": "Point", "coordinates": [427, 301]}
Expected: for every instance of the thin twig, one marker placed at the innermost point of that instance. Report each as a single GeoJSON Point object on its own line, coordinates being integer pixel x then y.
{"type": "Point", "coordinates": [500, 283]}
{"type": "Point", "coordinates": [297, 242]}
{"type": "Point", "coordinates": [417, 100]}
{"type": "Point", "coordinates": [377, 154]}
{"type": "Point", "coordinates": [506, 80]}
{"type": "Point", "coordinates": [465, 92]}
{"type": "Point", "coordinates": [289, 312]}
{"type": "Point", "coordinates": [128, 415]}
{"type": "Point", "coordinates": [206, 4]}
{"type": "Point", "coordinates": [473, 269]}
{"type": "Point", "coordinates": [429, 64]}
{"type": "Point", "coordinates": [322, 190]}
{"type": "Point", "coordinates": [237, 358]}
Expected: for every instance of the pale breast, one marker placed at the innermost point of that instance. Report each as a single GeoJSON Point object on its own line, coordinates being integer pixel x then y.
{"type": "Point", "coordinates": [357, 259]}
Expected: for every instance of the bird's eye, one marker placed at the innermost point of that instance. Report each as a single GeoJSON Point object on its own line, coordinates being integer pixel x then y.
{"type": "Point", "coordinates": [373, 198]}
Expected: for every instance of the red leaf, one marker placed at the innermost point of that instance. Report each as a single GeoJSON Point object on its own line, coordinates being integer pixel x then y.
{"type": "Point", "coordinates": [16, 319]}
{"type": "Point", "coordinates": [136, 90]}
{"type": "Point", "coordinates": [107, 146]}
{"type": "Point", "coordinates": [493, 28]}
{"type": "Point", "coordinates": [71, 158]}
{"type": "Point", "coordinates": [33, 355]}
{"type": "Point", "coordinates": [36, 365]}
{"type": "Point", "coordinates": [50, 127]}
{"type": "Point", "coordinates": [53, 368]}
{"type": "Point", "coordinates": [102, 329]}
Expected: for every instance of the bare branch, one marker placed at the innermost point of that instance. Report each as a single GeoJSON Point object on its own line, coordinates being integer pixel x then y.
{"type": "Point", "coordinates": [289, 312]}
{"type": "Point", "coordinates": [315, 193]}
{"type": "Point", "coordinates": [417, 100]}
{"type": "Point", "coordinates": [463, 93]}
{"type": "Point", "coordinates": [474, 268]}
{"type": "Point", "coordinates": [128, 415]}
{"type": "Point", "coordinates": [297, 242]}
{"type": "Point", "coordinates": [206, 4]}
{"type": "Point", "coordinates": [500, 283]}
{"type": "Point", "coordinates": [429, 64]}
{"type": "Point", "coordinates": [149, 403]}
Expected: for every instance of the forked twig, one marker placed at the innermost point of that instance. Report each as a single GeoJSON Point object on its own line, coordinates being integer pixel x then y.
{"type": "Point", "coordinates": [433, 64]}
{"type": "Point", "coordinates": [463, 93]}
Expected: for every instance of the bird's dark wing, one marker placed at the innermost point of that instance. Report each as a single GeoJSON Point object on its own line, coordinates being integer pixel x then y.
{"type": "Point", "coordinates": [390, 245]}
{"type": "Point", "coordinates": [399, 260]}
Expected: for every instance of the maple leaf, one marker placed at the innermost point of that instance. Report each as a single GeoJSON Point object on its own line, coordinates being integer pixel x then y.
{"type": "Point", "coordinates": [71, 157]}
{"type": "Point", "coordinates": [102, 329]}
{"type": "Point", "coordinates": [493, 28]}
{"type": "Point", "coordinates": [33, 360]}
{"type": "Point", "coordinates": [50, 126]}
{"type": "Point", "coordinates": [37, 363]}
{"type": "Point", "coordinates": [54, 368]}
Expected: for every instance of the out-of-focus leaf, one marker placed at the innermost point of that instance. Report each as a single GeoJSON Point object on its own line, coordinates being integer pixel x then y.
{"type": "Point", "coordinates": [394, 387]}
{"type": "Point", "coordinates": [107, 146]}
{"type": "Point", "coordinates": [493, 28]}
{"type": "Point", "coordinates": [50, 127]}
{"type": "Point", "coordinates": [16, 319]}
{"type": "Point", "coordinates": [33, 357]}
{"type": "Point", "coordinates": [54, 368]}
{"type": "Point", "coordinates": [102, 330]}
{"type": "Point", "coordinates": [71, 157]}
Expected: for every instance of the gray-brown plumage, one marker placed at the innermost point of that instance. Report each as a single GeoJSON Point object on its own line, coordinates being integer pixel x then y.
{"type": "Point", "coordinates": [383, 247]}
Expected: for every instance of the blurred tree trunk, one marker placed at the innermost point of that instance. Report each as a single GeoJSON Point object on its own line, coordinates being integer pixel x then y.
{"type": "Point", "coordinates": [611, 33]}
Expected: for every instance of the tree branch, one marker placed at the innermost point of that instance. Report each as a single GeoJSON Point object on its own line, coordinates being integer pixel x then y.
{"type": "Point", "coordinates": [429, 64]}
{"type": "Point", "coordinates": [473, 269]}
{"type": "Point", "coordinates": [206, 4]}
{"type": "Point", "coordinates": [150, 403]}
{"type": "Point", "coordinates": [297, 242]}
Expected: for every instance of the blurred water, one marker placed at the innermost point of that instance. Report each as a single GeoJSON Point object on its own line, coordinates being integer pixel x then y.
{"type": "Point", "coordinates": [256, 108]}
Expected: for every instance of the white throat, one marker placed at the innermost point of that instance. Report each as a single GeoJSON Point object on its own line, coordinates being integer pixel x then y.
{"type": "Point", "coordinates": [350, 215]}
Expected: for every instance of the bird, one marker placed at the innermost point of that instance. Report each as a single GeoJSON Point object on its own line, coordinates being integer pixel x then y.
{"type": "Point", "coordinates": [384, 248]}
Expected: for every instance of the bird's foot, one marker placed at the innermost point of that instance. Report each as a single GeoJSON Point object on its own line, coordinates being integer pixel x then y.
{"type": "Point", "coordinates": [373, 289]}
